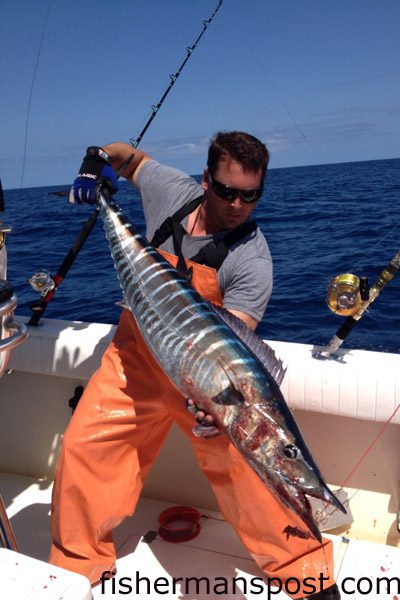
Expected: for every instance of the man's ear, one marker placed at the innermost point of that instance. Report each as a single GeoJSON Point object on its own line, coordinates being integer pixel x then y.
{"type": "Point", "coordinates": [205, 182]}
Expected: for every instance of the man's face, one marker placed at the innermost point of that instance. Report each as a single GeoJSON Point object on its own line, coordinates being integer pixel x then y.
{"type": "Point", "coordinates": [228, 214]}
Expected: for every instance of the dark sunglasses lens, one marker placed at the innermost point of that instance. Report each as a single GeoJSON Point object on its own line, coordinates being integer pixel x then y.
{"type": "Point", "coordinates": [250, 196]}
{"type": "Point", "coordinates": [223, 191]}
{"type": "Point", "coordinates": [230, 194]}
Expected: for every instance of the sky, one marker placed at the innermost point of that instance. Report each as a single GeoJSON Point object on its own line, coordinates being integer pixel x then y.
{"type": "Point", "coordinates": [317, 80]}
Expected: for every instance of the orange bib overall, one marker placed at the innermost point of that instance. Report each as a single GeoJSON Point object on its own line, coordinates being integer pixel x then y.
{"type": "Point", "coordinates": [113, 440]}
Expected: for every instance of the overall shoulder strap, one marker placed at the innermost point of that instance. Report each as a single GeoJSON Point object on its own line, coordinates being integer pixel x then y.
{"type": "Point", "coordinates": [213, 254]}
{"type": "Point", "coordinates": [166, 228]}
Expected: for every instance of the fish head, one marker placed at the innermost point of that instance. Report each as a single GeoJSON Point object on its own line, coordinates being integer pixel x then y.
{"type": "Point", "coordinates": [272, 443]}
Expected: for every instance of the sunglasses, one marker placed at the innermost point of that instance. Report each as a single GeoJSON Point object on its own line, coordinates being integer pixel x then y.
{"type": "Point", "coordinates": [230, 193]}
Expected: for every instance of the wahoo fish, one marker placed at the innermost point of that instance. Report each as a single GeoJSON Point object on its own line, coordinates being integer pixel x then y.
{"type": "Point", "coordinates": [219, 363]}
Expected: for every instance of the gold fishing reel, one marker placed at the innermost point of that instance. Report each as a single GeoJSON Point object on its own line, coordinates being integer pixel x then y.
{"type": "Point", "coordinates": [346, 292]}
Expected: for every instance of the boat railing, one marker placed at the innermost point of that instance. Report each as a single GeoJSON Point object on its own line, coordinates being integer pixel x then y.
{"type": "Point", "coordinates": [12, 332]}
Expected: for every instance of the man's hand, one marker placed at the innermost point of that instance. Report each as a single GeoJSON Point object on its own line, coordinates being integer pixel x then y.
{"type": "Point", "coordinates": [199, 413]}
{"type": "Point", "coordinates": [96, 166]}
{"type": "Point", "coordinates": [205, 423]}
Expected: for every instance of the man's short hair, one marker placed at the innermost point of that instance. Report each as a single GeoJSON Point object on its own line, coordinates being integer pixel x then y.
{"type": "Point", "coordinates": [246, 149]}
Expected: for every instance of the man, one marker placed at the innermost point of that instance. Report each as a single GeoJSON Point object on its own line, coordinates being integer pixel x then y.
{"type": "Point", "coordinates": [129, 404]}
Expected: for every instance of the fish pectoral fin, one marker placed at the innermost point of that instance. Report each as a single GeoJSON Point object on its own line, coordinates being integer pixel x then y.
{"type": "Point", "coordinates": [229, 396]}
{"type": "Point", "coordinates": [206, 430]}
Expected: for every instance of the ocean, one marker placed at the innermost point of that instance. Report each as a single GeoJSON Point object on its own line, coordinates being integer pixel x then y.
{"type": "Point", "coordinates": [319, 221]}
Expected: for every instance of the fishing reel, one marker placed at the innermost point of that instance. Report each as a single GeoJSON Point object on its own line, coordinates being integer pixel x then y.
{"type": "Point", "coordinates": [346, 293]}
{"type": "Point", "coordinates": [42, 282]}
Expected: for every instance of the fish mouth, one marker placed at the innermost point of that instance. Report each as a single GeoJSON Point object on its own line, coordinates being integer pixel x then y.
{"type": "Point", "coordinates": [304, 510]}
{"type": "Point", "coordinates": [295, 495]}
{"type": "Point", "coordinates": [324, 493]}
{"type": "Point", "coordinates": [308, 518]}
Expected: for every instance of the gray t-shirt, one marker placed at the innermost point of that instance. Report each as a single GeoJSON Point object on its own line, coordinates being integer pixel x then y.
{"type": "Point", "coordinates": [245, 277]}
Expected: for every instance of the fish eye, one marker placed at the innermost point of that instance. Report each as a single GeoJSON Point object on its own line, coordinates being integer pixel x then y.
{"type": "Point", "coordinates": [290, 451]}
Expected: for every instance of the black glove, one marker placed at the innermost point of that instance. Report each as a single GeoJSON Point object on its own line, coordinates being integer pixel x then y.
{"type": "Point", "coordinates": [96, 165]}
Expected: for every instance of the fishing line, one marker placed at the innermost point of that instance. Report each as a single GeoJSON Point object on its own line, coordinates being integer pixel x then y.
{"type": "Point", "coordinates": [306, 139]}
{"type": "Point", "coordinates": [357, 466]}
{"type": "Point", "coordinates": [378, 243]}
{"type": "Point", "coordinates": [31, 92]}
{"type": "Point", "coordinates": [370, 446]}
{"type": "Point", "coordinates": [279, 96]}
{"type": "Point", "coordinates": [254, 56]}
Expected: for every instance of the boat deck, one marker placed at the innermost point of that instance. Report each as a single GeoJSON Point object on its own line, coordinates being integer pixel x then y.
{"type": "Point", "coordinates": [215, 555]}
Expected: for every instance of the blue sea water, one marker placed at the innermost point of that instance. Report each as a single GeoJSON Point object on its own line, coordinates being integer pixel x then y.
{"type": "Point", "coordinates": [319, 221]}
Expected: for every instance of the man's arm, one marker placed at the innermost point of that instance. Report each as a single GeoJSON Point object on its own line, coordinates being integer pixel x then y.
{"type": "Point", "coordinates": [251, 322]}
{"type": "Point", "coordinates": [120, 152]}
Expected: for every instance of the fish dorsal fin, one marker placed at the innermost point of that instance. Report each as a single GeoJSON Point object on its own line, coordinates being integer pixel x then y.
{"type": "Point", "coordinates": [265, 354]}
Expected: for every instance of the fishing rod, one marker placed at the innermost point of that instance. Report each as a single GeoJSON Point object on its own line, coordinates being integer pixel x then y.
{"type": "Point", "coordinates": [348, 294]}
{"type": "Point", "coordinates": [174, 77]}
{"type": "Point", "coordinates": [42, 281]}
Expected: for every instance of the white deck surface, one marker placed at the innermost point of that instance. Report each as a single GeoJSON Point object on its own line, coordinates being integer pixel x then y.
{"type": "Point", "coordinates": [215, 554]}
